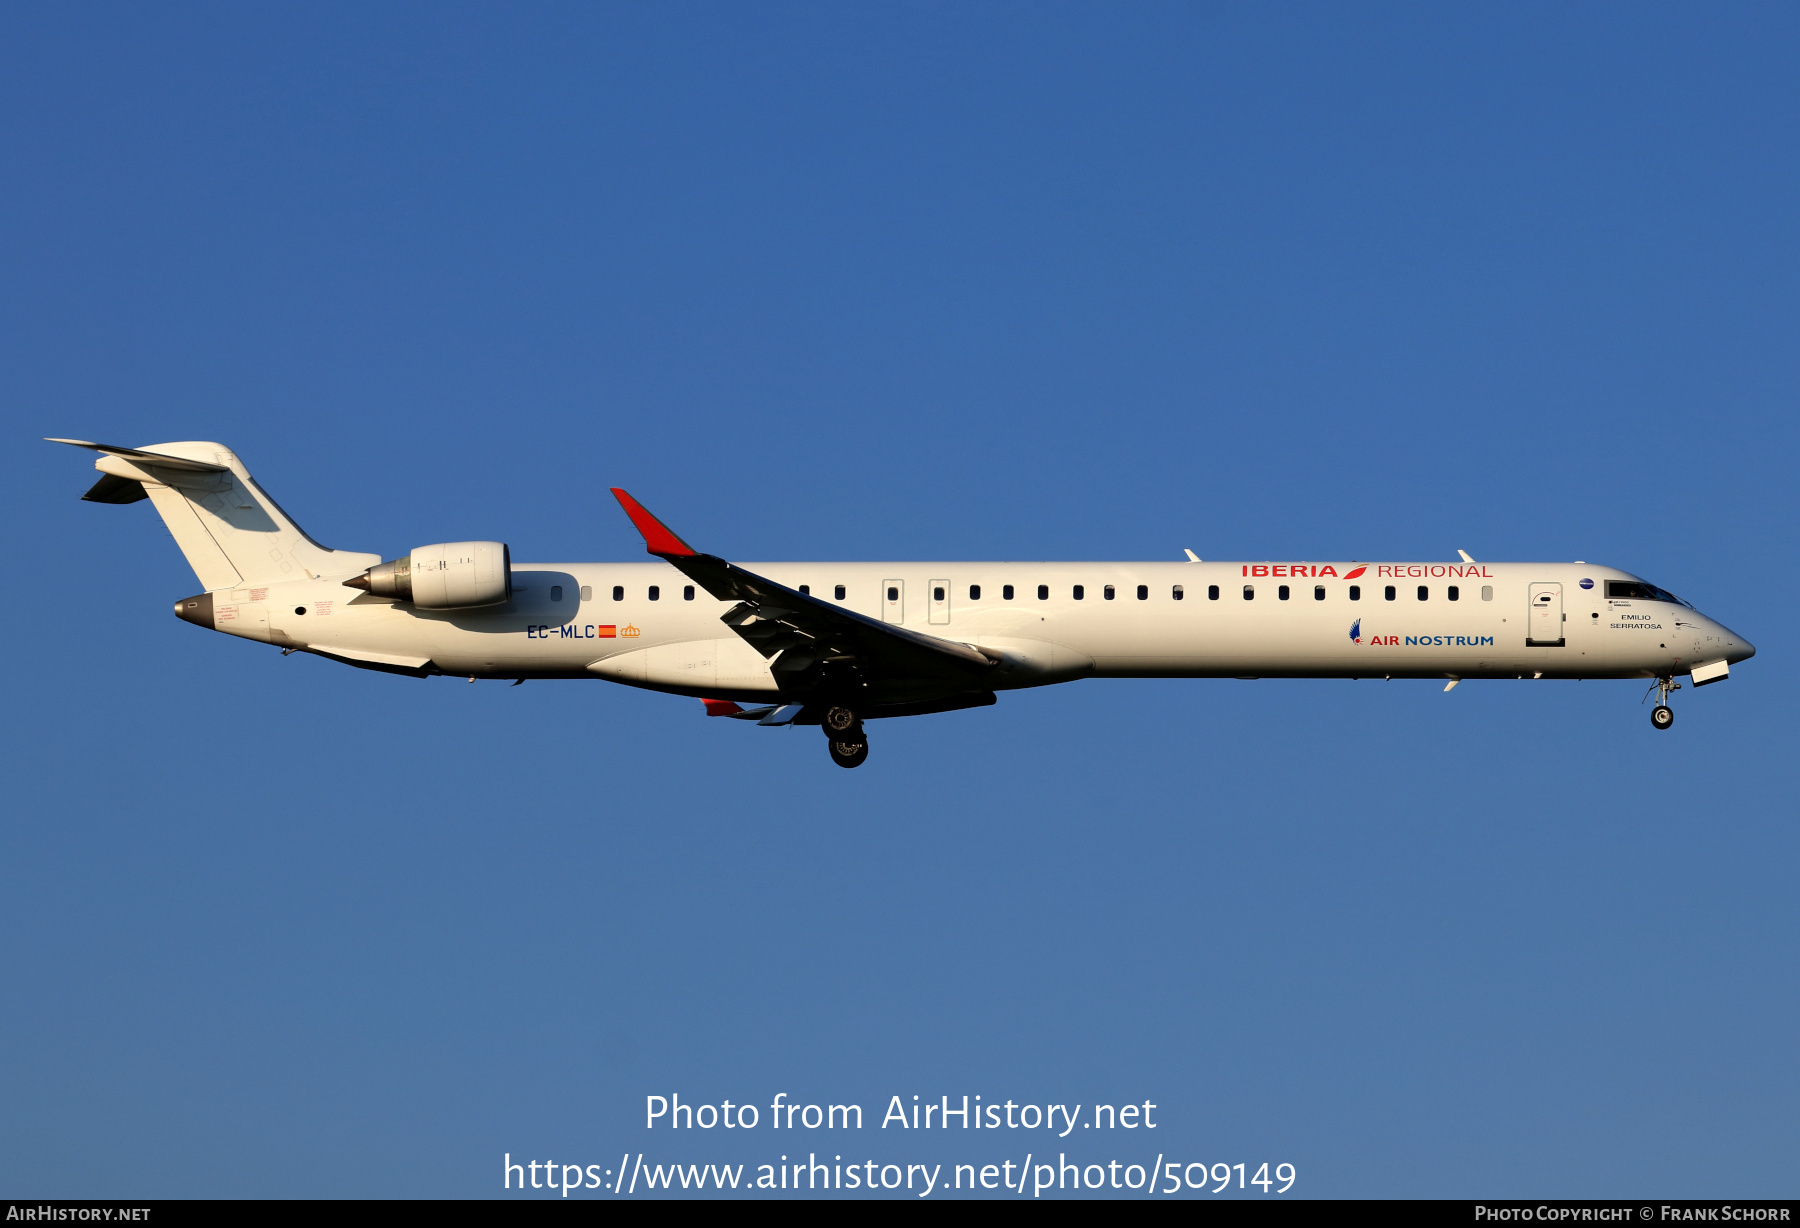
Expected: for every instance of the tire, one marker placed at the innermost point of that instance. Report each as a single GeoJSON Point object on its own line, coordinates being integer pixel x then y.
{"type": "Point", "coordinates": [849, 754]}
{"type": "Point", "coordinates": [1662, 716]}
{"type": "Point", "coordinates": [839, 720]}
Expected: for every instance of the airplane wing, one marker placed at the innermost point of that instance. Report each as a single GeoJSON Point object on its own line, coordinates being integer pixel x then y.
{"type": "Point", "coordinates": [802, 633]}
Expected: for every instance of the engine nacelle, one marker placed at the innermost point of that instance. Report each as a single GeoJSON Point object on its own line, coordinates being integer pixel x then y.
{"type": "Point", "coordinates": [447, 576]}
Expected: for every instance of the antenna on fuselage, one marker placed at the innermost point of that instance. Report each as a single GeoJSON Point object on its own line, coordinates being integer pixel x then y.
{"type": "Point", "coordinates": [1465, 556]}
{"type": "Point", "coordinates": [1192, 557]}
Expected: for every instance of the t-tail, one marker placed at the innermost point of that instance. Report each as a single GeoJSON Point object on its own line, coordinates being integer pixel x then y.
{"type": "Point", "coordinates": [231, 531]}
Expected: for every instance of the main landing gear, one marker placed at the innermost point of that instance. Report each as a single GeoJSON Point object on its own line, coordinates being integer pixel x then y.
{"type": "Point", "coordinates": [848, 744]}
{"type": "Point", "coordinates": [1662, 716]}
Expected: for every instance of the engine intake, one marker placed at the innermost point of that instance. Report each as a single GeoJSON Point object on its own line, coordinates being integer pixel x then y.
{"type": "Point", "coordinates": [447, 576]}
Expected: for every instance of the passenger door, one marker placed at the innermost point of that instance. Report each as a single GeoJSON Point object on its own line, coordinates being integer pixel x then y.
{"type": "Point", "coordinates": [1545, 620]}
{"type": "Point", "coordinates": [940, 603]}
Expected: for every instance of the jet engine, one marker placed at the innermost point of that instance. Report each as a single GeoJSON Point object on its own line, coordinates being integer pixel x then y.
{"type": "Point", "coordinates": [447, 576]}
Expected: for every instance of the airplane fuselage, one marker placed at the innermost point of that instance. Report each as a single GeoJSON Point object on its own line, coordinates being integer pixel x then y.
{"type": "Point", "coordinates": [646, 623]}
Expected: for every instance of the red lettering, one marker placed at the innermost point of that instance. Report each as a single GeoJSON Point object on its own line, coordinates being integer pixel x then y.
{"type": "Point", "coordinates": [1328, 570]}
{"type": "Point", "coordinates": [1259, 570]}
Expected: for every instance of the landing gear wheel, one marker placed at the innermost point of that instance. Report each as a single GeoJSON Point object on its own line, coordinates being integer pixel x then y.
{"type": "Point", "coordinates": [839, 720]}
{"type": "Point", "coordinates": [849, 754]}
{"type": "Point", "coordinates": [1662, 716]}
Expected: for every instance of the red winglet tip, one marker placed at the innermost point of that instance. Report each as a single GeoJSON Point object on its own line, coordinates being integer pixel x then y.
{"type": "Point", "coordinates": [721, 707]}
{"type": "Point", "coordinates": [658, 539]}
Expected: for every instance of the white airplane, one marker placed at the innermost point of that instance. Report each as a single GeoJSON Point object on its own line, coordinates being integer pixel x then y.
{"type": "Point", "coordinates": [835, 644]}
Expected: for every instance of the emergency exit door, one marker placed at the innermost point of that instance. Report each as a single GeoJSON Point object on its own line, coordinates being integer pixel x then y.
{"type": "Point", "coordinates": [940, 602]}
{"type": "Point", "coordinates": [893, 601]}
{"type": "Point", "coordinates": [1545, 620]}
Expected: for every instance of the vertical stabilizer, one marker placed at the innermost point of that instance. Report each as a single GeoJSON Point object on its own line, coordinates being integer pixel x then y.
{"type": "Point", "coordinates": [231, 531]}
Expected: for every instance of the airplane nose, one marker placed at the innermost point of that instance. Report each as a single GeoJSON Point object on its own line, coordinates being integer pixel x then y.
{"type": "Point", "coordinates": [1737, 648]}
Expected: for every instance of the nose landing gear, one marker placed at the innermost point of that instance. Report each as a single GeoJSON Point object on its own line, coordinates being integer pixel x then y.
{"type": "Point", "coordinates": [1662, 716]}
{"type": "Point", "coordinates": [848, 744]}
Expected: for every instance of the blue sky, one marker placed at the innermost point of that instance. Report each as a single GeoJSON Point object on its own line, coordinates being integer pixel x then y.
{"type": "Point", "coordinates": [911, 281]}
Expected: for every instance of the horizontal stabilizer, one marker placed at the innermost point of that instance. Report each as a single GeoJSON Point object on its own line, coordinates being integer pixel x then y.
{"type": "Point", "coordinates": [111, 489]}
{"type": "Point", "coordinates": [143, 457]}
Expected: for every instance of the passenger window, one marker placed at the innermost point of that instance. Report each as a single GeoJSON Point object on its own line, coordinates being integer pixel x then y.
{"type": "Point", "coordinates": [687, 593]}
{"type": "Point", "coordinates": [1487, 592]}
{"type": "Point", "coordinates": [1043, 592]}
{"type": "Point", "coordinates": [937, 594]}
{"type": "Point", "coordinates": [1424, 592]}
{"type": "Point", "coordinates": [1282, 592]}
{"type": "Point", "coordinates": [1318, 592]}
{"type": "Point", "coordinates": [1177, 594]}
{"type": "Point", "coordinates": [618, 592]}
{"type": "Point", "coordinates": [805, 589]}
{"type": "Point", "coordinates": [838, 592]}
{"type": "Point", "coordinates": [1080, 592]}
{"type": "Point", "coordinates": [556, 592]}
{"type": "Point", "coordinates": [1107, 592]}
{"type": "Point", "coordinates": [1249, 592]}
{"type": "Point", "coordinates": [893, 594]}
{"type": "Point", "coordinates": [1356, 592]}
{"type": "Point", "coordinates": [655, 593]}
{"type": "Point", "coordinates": [974, 592]}
{"type": "Point", "coordinates": [1212, 592]}
{"type": "Point", "coordinates": [1144, 592]}
{"type": "Point", "coordinates": [1388, 592]}
{"type": "Point", "coordinates": [1006, 592]}
{"type": "Point", "coordinates": [1453, 593]}
{"type": "Point", "coordinates": [587, 592]}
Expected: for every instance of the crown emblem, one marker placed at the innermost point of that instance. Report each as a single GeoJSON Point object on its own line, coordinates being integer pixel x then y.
{"type": "Point", "coordinates": [628, 632]}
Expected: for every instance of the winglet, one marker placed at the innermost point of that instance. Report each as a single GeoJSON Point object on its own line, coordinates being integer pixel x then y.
{"type": "Point", "coordinates": [658, 539]}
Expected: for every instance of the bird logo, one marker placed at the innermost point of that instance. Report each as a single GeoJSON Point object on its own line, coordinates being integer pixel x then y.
{"type": "Point", "coordinates": [1356, 632]}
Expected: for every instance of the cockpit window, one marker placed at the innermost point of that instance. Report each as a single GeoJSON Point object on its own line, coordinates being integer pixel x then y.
{"type": "Point", "coordinates": [1636, 590]}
